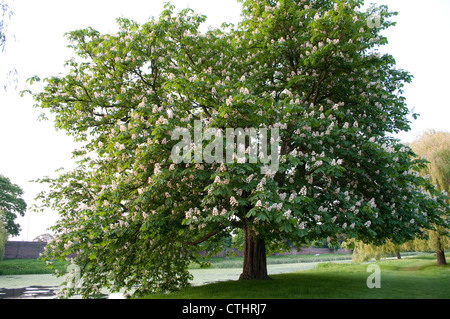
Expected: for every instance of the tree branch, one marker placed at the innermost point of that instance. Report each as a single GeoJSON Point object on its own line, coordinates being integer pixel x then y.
{"type": "Point", "coordinates": [201, 240]}
{"type": "Point", "coordinates": [206, 111]}
{"type": "Point", "coordinates": [318, 86]}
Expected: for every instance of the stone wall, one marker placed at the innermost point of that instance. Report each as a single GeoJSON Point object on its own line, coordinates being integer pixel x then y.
{"type": "Point", "coordinates": [23, 249]}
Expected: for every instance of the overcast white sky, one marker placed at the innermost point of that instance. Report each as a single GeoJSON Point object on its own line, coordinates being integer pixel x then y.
{"type": "Point", "coordinates": [31, 149]}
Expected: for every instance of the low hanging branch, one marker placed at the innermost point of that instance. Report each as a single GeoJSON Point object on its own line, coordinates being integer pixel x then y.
{"type": "Point", "coordinates": [201, 240]}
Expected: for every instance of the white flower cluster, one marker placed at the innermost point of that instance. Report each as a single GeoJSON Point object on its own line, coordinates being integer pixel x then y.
{"type": "Point", "coordinates": [274, 206]}
{"type": "Point", "coordinates": [234, 202]}
{"type": "Point", "coordinates": [260, 186]}
{"type": "Point", "coordinates": [287, 92]}
{"type": "Point", "coordinates": [303, 191]}
{"type": "Point", "coordinates": [119, 146]}
{"type": "Point", "coordinates": [388, 148]}
{"type": "Point", "coordinates": [372, 203]}
{"type": "Point", "coordinates": [244, 90]}
{"type": "Point", "coordinates": [334, 162]}
{"type": "Point", "coordinates": [229, 101]}
{"type": "Point", "coordinates": [162, 120]}
{"type": "Point", "coordinates": [292, 196]}
{"type": "Point", "coordinates": [192, 213]}
{"type": "Point", "coordinates": [157, 169]}
{"type": "Point", "coordinates": [280, 125]}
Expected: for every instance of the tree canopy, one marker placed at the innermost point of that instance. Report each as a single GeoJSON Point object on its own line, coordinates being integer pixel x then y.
{"type": "Point", "coordinates": [435, 148]}
{"type": "Point", "coordinates": [11, 204]}
{"type": "Point", "coordinates": [307, 70]}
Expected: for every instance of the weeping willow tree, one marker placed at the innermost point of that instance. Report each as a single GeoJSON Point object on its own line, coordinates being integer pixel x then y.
{"type": "Point", "coordinates": [435, 147]}
{"type": "Point", "coordinates": [365, 251]}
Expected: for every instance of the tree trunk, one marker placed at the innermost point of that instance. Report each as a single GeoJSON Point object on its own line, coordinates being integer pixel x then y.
{"type": "Point", "coordinates": [440, 256]}
{"type": "Point", "coordinates": [397, 253]}
{"type": "Point", "coordinates": [255, 264]}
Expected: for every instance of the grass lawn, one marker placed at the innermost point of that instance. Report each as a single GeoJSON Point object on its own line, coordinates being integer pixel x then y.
{"type": "Point", "coordinates": [237, 262]}
{"type": "Point", "coordinates": [410, 278]}
{"type": "Point", "coordinates": [29, 267]}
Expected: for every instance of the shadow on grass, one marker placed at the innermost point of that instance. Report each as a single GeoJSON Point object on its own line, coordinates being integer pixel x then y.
{"type": "Point", "coordinates": [399, 280]}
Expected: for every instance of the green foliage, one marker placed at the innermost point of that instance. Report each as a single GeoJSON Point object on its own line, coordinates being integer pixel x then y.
{"type": "Point", "coordinates": [430, 243]}
{"type": "Point", "coordinates": [3, 237]}
{"type": "Point", "coordinates": [435, 148]}
{"type": "Point", "coordinates": [136, 219]}
{"type": "Point", "coordinates": [238, 239]}
{"type": "Point", "coordinates": [319, 243]}
{"type": "Point", "coordinates": [11, 204]}
{"type": "Point", "coordinates": [365, 252]}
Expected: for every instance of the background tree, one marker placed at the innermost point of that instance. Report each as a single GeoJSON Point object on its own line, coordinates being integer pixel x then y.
{"type": "Point", "coordinates": [12, 205]}
{"type": "Point", "coordinates": [435, 147]}
{"type": "Point", "coordinates": [307, 68]}
{"type": "Point", "coordinates": [238, 239]}
{"type": "Point", "coordinates": [365, 251]}
{"type": "Point", "coordinates": [3, 237]}
{"type": "Point", "coordinates": [43, 238]}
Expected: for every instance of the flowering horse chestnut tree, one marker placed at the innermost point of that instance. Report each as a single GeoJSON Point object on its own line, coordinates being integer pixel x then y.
{"type": "Point", "coordinates": [144, 201]}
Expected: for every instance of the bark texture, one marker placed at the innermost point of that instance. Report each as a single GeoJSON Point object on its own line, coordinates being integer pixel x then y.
{"type": "Point", "coordinates": [440, 256]}
{"type": "Point", "coordinates": [255, 262]}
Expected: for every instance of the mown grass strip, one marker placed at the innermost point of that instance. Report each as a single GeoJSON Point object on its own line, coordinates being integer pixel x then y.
{"type": "Point", "coordinates": [400, 279]}
{"type": "Point", "coordinates": [29, 267]}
